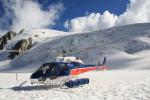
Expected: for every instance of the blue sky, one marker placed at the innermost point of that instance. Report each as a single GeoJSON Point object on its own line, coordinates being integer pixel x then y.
{"type": "Point", "coordinates": [73, 9]}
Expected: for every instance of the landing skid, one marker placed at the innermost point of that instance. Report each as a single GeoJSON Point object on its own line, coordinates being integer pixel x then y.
{"type": "Point", "coordinates": [69, 82]}
{"type": "Point", "coordinates": [48, 81]}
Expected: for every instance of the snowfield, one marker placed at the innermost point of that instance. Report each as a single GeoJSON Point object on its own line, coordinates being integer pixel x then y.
{"type": "Point", "coordinates": [104, 85]}
{"type": "Point", "coordinates": [127, 49]}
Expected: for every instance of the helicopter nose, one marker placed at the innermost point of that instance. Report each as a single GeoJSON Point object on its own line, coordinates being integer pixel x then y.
{"type": "Point", "coordinates": [32, 76]}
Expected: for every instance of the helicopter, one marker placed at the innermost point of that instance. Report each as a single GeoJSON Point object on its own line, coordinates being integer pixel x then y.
{"type": "Point", "coordinates": [64, 71]}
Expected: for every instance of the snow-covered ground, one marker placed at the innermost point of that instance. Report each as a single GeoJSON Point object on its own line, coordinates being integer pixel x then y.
{"type": "Point", "coordinates": [104, 85]}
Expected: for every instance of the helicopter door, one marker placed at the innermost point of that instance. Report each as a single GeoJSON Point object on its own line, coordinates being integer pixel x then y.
{"type": "Point", "coordinates": [64, 69]}
{"type": "Point", "coordinates": [53, 72]}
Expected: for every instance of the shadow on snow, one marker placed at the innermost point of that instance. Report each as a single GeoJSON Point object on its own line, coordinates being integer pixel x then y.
{"type": "Point", "coordinates": [35, 88]}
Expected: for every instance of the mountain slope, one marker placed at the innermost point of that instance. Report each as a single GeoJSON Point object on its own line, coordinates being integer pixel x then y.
{"type": "Point", "coordinates": [125, 47]}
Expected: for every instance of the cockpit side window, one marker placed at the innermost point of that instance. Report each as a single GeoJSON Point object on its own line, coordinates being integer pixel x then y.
{"type": "Point", "coordinates": [64, 69]}
{"type": "Point", "coordinates": [52, 70]}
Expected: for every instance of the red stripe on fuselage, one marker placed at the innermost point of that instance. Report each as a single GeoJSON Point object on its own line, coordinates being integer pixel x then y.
{"type": "Point", "coordinates": [78, 71]}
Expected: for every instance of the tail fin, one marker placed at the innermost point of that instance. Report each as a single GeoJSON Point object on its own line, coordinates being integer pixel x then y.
{"type": "Point", "coordinates": [103, 63]}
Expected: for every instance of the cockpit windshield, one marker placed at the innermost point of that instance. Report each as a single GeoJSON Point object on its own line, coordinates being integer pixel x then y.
{"type": "Point", "coordinates": [54, 69]}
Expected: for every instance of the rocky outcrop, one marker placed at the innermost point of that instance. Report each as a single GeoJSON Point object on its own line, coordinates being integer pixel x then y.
{"type": "Point", "coordinates": [4, 39]}
{"type": "Point", "coordinates": [21, 47]}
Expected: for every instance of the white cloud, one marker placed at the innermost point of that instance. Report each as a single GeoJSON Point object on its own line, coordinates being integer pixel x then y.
{"type": "Point", "coordinates": [138, 11]}
{"type": "Point", "coordinates": [93, 21]}
{"type": "Point", "coordinates": [28, 14]}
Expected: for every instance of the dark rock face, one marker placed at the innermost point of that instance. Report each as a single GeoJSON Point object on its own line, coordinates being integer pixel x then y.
{"type": "Point", "coordinates": [21, 31]}
{"type": "Point", "coordinates": [21, 46]}
{"type": "Point", "coordinates": [4, 39]}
